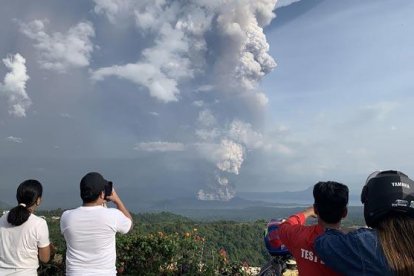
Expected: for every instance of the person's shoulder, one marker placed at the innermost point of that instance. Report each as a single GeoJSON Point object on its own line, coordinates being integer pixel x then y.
{"type": "Point", "coordinates": [33, 219]}
{"type": "Point", "coordinates": [117, 215]}
{"type": "Point", "coordinates": [68, 212]}
{"type": "Point", "coordinates": [106, 212]}
{"type": "Point", "coordinates": [114, 211]}
{"type": "Point", "coordinates": [333, 231]}
{"type": "Point", "coordinates": [360, 231]}
{"type": "Point", "coordinates": [352, 237]}
{"type": "Point", "coordinates": [3, 220]}
{"type": "Point", "coordinates": [4, 216]}
{"type": "Point", "coordinates": [363, 232]}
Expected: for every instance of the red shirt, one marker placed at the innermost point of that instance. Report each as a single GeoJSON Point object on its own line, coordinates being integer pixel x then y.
{"type": "Point", "coordinates": [299, 238]}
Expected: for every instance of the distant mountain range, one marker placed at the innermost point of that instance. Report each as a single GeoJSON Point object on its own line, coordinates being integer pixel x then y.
{"type": "Point", "coordinates": [304, 197]}
{"type": "Point", "coordinates": [196, 204]}
{"type": "Point", "coordinates": [243, 200]}
{"type": "Point", "coordinates": [4, 205]}
{"type": "Point", "coordinates": [278, 205]}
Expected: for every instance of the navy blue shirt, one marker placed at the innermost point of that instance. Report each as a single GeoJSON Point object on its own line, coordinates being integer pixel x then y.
{"type": "Point", "coordinates": [356, 253]}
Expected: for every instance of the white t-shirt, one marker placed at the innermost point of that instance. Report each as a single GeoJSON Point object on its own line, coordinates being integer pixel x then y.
{"type": "Point", "coordinates": [19, 245]}
{"type": "Point", "coordinates": [90, 239]}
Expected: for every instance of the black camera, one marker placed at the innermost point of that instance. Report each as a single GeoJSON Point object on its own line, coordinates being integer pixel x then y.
{"type": "Point", "coordinates": [108, 189]}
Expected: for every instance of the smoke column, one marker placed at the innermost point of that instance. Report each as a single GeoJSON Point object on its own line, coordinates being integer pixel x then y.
{"type": "Point", "coordinates": [218, 47]}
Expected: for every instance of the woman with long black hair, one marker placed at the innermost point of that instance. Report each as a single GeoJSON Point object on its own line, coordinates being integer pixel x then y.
{"type": "Point", "coordinates": [24, 237]}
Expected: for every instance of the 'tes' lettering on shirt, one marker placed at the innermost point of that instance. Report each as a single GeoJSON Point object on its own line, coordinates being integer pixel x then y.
{"type": "Point", "coordinates": [309, 255]}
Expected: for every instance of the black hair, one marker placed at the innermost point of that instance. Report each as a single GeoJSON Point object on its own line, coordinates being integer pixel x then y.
{"type": "Point", "coordinates": [331, 199]}
{"type": "Point", "coordinates": [91, 186]}
{"type": "Point", "coordinates": [27, 194]}
{"type": "Point", "coordinates": [90, 197]}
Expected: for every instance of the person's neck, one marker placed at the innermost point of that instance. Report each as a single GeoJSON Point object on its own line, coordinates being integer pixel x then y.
{"type": "Point", "coordinates": [32, 208]}
{"type": "Point", "coordinates": [92, 204]}
{"type": "Point", "coordinates": [326, 225]}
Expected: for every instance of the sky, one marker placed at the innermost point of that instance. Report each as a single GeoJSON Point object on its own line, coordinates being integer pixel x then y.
{"type": "Point", "coordinates": [204, 98]}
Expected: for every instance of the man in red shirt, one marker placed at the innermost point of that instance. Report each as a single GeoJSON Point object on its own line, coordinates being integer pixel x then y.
{"type": "Point", "coordinates": [331, 199]}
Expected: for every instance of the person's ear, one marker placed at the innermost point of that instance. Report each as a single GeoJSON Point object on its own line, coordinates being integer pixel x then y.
{"type": "Point", "coordinates": [102, 195]}
{"type": "Point", "coordinates": [315, 210]}
{"type": "Point", "coordinates": [345, 213]}
{"type": "Point", "coordinates": [38, 200]}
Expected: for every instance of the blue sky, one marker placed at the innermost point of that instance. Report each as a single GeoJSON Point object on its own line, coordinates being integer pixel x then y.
{"type": "Point", "coordinates": [342, 89]}
{"type": "Point", "coordinates": [205, 98]}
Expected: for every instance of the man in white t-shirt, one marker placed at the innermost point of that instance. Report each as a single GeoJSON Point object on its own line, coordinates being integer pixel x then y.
{"type": "Point", "coordinates": [90, 230]}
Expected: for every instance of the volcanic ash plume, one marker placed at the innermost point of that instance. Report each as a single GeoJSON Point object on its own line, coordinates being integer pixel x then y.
{"type": "Point", "coordinates": [221, 190]}
{"type": "Point", "coordinates": [228, 157]}
{"type": "Point", "coordinates": [217, 49]}
{"type": "Point", "coordinates": [222, 40]}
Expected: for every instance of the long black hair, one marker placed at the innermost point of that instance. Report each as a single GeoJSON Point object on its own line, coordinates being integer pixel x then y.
{"type": "Point", "coordinates": [27, 194]}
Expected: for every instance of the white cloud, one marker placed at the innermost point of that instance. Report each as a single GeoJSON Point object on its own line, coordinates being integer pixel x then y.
{"type": "Point", "coordinates": [206, 118]}
{"type": "Point", "coordinates": [281, 149]}
{"type": "Point", "coordinates": [153, 113]}
{"type": "Point", "coordinates": [208, 134]}
{"type": "Point", "coordinates": [159, 146]}
{"type": "Point", "coordinates": [380, 110]}
{"type": "Point", "coordinates": [363, 117]}
{"type": "Point", "coordinates": [65, 115]}
{"type": "Point", "coordinates": [14, 85]}
{"type": "Point", "coordinates": [61, 51]}
{"type": "Point", "coordinates": [284, 3]}
{"type": "Point", "coordinates": [13, 139]}
{"type": "Point", "coordinates": [114, 9]}
{"type": "Point", "coordinates": [145, 74]}
{"type": "Point", "coordinates": [205, 88]}
{"type": "Point", "coordinates": [162, 66]}
{"type": "Point", "coordinates": [198, 103]}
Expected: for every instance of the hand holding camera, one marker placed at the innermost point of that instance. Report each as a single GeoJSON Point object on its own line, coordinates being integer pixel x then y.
{"type": "Point", "coordinates": [108, 189]}
{"type": "Point", "coordinates": [110, 194]}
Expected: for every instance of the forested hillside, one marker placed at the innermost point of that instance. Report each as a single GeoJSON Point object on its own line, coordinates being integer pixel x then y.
{"type": "Point", "coordinates": [169, 244]}
{"type": "Point", "coordinates": [159, 240]}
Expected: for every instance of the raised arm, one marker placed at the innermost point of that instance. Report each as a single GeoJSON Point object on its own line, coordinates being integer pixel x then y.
{"type": "Point", "coordinates": [119, 204]}
{"type": "Point", "coordinates": [289, 229]}
{"type": "Point", "coordinates": [309, 212]}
